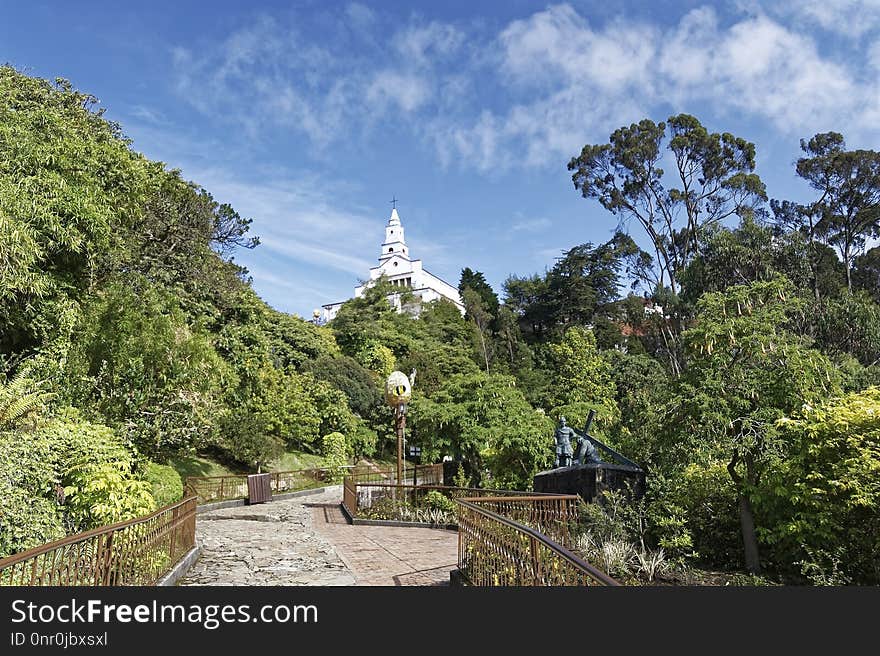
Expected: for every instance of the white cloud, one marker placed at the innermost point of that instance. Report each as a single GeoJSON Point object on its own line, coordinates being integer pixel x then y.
{"type": "Point", "coordinates": [851, 18]}
{"type": "Point", "coordinates": [531, 225]}
{"type": "Point", "coordinates": [405, 90]}
{"type": "Point", "coordinates": [296, 220]}
{"type": "Point", "coordinates": [571, 83]}
{"type": "Point", "coordinates": [531, 94]}
{"type": "Point", "coordinates": [558, 41]}
{"type": "Point", "coordinates": [148, 115]}
{"type": "Point", "coordinates": [762, 67]}
{"type": "Point", "coordinates": [422, 45]}
{"type": "Point", "coordinates": [360, 15]}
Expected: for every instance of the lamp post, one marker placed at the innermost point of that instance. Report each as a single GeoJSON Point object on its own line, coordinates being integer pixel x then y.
{"type": "Point", "coordinates": [398, 392]}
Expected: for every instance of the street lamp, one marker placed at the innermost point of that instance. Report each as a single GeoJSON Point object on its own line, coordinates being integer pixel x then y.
{"type": "Point", "coordinates": [398, 392]}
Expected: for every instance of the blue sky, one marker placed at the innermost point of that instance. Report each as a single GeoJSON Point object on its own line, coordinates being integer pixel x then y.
{"type": "Point", "coordinates": [309, 116]}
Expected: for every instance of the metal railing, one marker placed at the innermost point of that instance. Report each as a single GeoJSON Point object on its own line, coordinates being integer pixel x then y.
{"type": "Point", "coordinates": [137, 552]}
{"type": "Point", "coordinates": [235, 486]}
{"type": "Point", "coordinates": [412, 475]}
{"type": "Point", "coordinates": [499, 550]}
{"type": "Point", "coordinates": [390, 501]}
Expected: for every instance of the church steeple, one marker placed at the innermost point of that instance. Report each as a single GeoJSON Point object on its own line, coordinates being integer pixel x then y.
{"type": "Point", "coordinates": [394, 243]}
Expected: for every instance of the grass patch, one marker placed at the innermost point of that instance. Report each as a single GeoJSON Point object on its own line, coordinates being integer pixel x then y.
{"type": "Point", "coordinates": [292, 460]}
{"type": "Point", "coordinates": [203, 466]}
{"type": "Point", "coordinates": [198, 466]}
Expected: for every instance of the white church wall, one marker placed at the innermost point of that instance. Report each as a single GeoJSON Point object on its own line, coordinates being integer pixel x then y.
{"type": "Point", "coordinates": [394, 262]}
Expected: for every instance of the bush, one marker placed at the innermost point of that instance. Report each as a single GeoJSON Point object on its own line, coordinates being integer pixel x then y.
{"type": "Point", "coordinates": [106, 493]}
{"type": "Point", "coordinates": [26, 521]}
{"type": "Point", "coordinates": [435, 500]}
{"type": "Point", "coordinates": [246, 442]}
{"type": "Point", "coordinates": [166, 483]}
{"type": "Point", "coordinates": [333, 447]}
{"type": "Point", "coordinates": [708, 498]}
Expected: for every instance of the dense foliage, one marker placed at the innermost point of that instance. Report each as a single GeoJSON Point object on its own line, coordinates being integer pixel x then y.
{"type": "Point", "coordinates": [128, 335]}
{"type": "Point", "coordinates": [737, 361]}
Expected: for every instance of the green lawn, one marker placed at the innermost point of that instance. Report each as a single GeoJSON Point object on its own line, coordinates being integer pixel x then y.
{"type": "Point", "coordinates": [292, 460]}
{"type": "Point", "coordinates": [203, 466]}
{"type": "Point", "coordinates": [198, 466]}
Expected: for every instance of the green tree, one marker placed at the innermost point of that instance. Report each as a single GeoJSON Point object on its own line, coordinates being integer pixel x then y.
{"type": "Point", "coordinates": [70, 191]}
{"type": "Point", "coordinates": [138, 364]}
{"type": "Point", "coordinates": [481, 320]}
{"type": "Point", "coordinates": [827, 493]}
{"type": "Point", "coordinates": [713, 175]}
{"type": "Point", "coordinates": [476, 281]}
{"type": "Point", "coordinates": [581, 380]}
{"type": "Point", "coordinates": [746, 254]}
{"type": "Point", "coordinates": [849, 324]}
{"type": "Point", "coordinates": [848, 182]}
{"type": "Point", "coordinates": [486, 421]}
{"type": "Point", "coordinates": [746, 371]}
{"type": "Point", "coordinates": [334, 450]}
{"type": "Point", "coordinates": [529, 299]}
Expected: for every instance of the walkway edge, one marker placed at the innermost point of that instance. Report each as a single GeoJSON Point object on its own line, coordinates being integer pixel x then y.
{"type": "Point", "coordinates": [181, 567]}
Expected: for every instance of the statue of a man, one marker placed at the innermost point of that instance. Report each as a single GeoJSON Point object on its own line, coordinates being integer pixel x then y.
{"type": "Point", "coordinates": [563, 435]}
{"type": "Point", "coordinates": [586, 452]}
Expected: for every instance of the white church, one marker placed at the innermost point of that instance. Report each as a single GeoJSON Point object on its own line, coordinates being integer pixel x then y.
{"type": "Point", "coordinates": [402, 271]}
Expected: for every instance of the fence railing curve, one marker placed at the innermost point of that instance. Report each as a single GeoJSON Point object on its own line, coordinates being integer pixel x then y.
{"type": "Point", "coordinates": [137, 552]}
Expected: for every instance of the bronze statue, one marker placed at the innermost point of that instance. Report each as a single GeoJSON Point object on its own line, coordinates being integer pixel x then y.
{"type": "Point", "coordinates": [563, 435]}
{"type": "Point", "coordinates": [586, 450]}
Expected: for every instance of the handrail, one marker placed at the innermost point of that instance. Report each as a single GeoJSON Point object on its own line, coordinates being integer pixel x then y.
{"type": "Point", "coordinates": [287, 471]}
{"type": "Point", "coordinates": [497, 550]}
{"type": "Point", "coordinates": [134, 552]}
{"type": "Point", "coordinates": [234, 486]}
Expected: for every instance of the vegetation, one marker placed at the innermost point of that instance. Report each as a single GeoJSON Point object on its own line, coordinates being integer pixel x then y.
{"type": "Point", "coordinates": [129, 339]}
{"type": "Point", "coordinates": [737, 361]}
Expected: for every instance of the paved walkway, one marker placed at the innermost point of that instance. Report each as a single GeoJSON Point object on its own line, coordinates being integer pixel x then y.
{"type": "Point", "coordinates": [306, 541]}
{"type": "Point", "coordinates": [388, 555]}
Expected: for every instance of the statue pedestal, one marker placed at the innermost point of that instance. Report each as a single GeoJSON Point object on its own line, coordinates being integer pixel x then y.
{"type": "Point", "coordinates": [590, 479]}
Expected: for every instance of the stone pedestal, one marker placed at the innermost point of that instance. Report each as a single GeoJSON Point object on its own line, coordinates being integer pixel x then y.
{"type": "Point", "coordinates": [590, 479]}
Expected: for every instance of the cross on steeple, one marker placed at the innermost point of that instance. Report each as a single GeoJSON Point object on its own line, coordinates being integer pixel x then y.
{"type": "Point", "coordinates": [393, 202]}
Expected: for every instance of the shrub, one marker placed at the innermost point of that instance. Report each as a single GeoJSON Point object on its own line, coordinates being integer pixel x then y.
{"type": "Point", "coordinates": [245, 441]}
{"type": "Point", "coordinates": [334, 448]}
{"type": "Point", "coordinates": [26, 521]}
{"type": "Point", "coordinates": [106, 493]}
{"type": "Point", "coordinates": [435, 500]}
{"type": "Point", "coordinates": [166, 483]}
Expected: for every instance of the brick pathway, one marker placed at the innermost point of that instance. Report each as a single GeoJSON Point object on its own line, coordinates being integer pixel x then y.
{"type": "Point", "coordinates": [388, 555]}
{"type": "Point", "coordinates": [306, 541]}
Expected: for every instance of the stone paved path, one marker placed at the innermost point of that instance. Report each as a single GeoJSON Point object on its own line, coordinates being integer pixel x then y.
{"type": "Point", "coordinates": [306, 541]}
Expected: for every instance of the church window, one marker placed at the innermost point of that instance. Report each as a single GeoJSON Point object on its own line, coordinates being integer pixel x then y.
{"type": "Point", "coordinates": [390, 250]}
{"type": "Point", "coordinates": [395, 264]}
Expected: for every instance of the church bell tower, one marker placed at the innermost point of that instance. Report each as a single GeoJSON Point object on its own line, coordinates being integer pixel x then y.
{"type": "Point", "coordinates": [394, 243]}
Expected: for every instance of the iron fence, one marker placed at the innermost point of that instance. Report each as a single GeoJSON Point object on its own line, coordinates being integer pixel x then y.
{"type": "Point", "coordinates": [137, 552]}
{"type": "Point", "coordinates": [418, 503]}
{"type": "Point", "coordinates": [235, 486]}
{"type": "Point", "coordinates": [497, 550]}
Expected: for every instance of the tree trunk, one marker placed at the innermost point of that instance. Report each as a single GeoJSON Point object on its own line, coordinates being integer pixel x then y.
{"type": "Point", "coordinates": [750, 538]}
{"type": "Point", "coordinates": [485, 352]}
{"type": "Point", "coordinates": [746, 519]}
{"type": "Point", "coordinates": [846, 262]}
